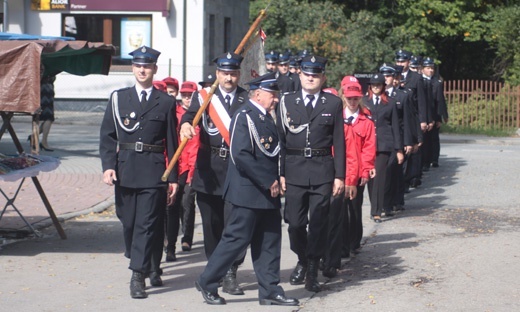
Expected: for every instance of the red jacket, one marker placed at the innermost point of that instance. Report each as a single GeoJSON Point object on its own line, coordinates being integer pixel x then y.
{"type": "Point", "coordinates": [189, 153]}
{"type": "Point", "coordinates": [360, 143]}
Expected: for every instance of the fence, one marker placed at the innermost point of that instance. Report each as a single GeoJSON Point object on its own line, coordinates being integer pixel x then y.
{"type": "Point", "coordinates": [485, 105]}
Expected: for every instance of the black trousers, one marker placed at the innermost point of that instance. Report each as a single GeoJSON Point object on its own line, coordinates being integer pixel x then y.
{"type": "Point", "coordinates": [262, 229]}
{"type": "Point", "coordinates": [436, 145]}
{"type": "Point", "coordinates": [427, 148]}
{"type": "Point", "coordinates": [413, 167]}
{"type": "Point", "coordinates": [214, 211]}
{"type": "Point", "coordinates": [141, 211]}
{"type": "Point", "coordinates": [181, 212]}
{"type": "Point", "coordinates": [376, 186]}
{"type": "Point", "coordinates": [307, 205]}
{"type": "Point", "coordinates": [338, 212]}
{"type": "Point", "coordinates": [394, 191]}
{"type": "Point", "coordinates": [352, 237]}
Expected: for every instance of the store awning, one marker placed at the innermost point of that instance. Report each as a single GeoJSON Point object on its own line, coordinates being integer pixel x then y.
{"type": "Point", "coordinates": [20, 59]}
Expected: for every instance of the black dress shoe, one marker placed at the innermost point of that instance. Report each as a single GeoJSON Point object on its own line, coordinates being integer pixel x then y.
{"type": "Point", "coordinates": [298, 274]}
{"type": "Point", "coordinates": [230, 284]}
{"type": "Point", "coordinates": [311, 278]}
{"type": "Point", "coordinates": [435, 164]}
{"type": "Point", "coordinates": [279, 300]}
{"type": "Point", "coordinates": [389, 213]}
{"type": "Point", "coordinates": [170, 256]}
{"type": "Point", "coordinates": [155, 279]}
{"type": "Point", "coordinates": [137, 286]}
{"type": "Point", "coordinates": [186, 246]}
{"type": "Point", "coordinates": [330, 272]}
{"type": "Point", "coordinates": [209, 297]}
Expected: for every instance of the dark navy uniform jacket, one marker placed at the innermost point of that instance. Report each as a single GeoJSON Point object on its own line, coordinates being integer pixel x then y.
{"type": "Point", "coordinates": [440, 107]}
{"type": "Point", "coordinates": [157, 126]}
{"type": "Point", "coordinates": [252, 173]}
{"type": "Point", "coordinates": [326, 131]}
{"type": "Point", "coordinates": [407, 118]}
{"type": "Point", "coordinates": [210, 169]}
{"type": "Point", "coordinates": [387, 124]}
{"type": "Point", "coordinates": [415, 82]}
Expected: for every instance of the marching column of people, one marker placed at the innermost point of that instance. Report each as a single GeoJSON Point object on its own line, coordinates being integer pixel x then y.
{"type": "Point", "coordinates": [321, 152]}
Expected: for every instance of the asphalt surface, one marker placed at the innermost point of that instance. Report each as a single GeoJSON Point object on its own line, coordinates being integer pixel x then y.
{"type": "Point", "coordinates": [456, 247]}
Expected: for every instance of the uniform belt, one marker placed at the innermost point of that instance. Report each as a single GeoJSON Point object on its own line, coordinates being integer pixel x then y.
{"type": "Point", "coordinates": [141, 147]}
{"type": "Point", "coordinates": [222, 152]}
{"type": "Point", "coordinates": [308, 152]}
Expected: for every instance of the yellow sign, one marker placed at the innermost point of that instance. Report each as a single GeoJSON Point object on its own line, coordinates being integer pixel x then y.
{"type": "Point", "coordinates": [49, 5]}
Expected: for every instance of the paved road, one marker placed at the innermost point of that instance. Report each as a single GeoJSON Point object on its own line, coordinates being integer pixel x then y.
{"type": "Point", "coordinates": [455, 248]}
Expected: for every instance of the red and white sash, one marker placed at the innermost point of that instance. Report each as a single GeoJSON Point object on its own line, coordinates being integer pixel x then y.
{"type": "Point", "coordinates": [218, 114]}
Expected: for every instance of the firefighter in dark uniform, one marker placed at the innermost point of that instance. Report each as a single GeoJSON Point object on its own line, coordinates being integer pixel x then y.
{"type": "Point", "coordinates": [252, 186]}
{"type": "Point", "coordinates": [439, 111]}
{"type": "Point", "coordinates": [213, 158]}
{"type": "Point", "coordinates": [138, 127]}
{"type": "Point", "coordinates": [287, 81]}
{"type": "Point", "coordinates": [413, 81]}
{"type": "Point", "coordinates": [310, 124]}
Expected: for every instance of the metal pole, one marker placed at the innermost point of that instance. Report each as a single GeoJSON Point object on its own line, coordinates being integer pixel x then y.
{"type": "Point", "coordinates": [5, 27]}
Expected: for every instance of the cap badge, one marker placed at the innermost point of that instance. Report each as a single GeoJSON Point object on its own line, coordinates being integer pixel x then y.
{"type": "Point", "coordinates": [313, 59]}
{"type": "Point", "coordinates": [229, 56]}
{"type": "Point", "coordinates": [143, 49]}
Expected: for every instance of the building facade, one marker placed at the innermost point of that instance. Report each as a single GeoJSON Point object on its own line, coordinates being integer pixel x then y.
{"type": "Point", "coordinates": [189, 34]}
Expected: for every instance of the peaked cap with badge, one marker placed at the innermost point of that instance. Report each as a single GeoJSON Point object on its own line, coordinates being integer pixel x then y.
{"type": "Point", "coordinates": [144, 55]}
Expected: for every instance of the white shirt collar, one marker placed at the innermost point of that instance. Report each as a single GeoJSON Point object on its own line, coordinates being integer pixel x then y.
{"type": "Point", "coordinates": [138, 89]}
{"type": "Point", "coordinates": [347, 114]}
{"type": "Point", "coordinates": [231, 94]}
{"type": "Point", "coordinates": [304, 94]}
{"type": "Point", "coordinates": [260, 108]}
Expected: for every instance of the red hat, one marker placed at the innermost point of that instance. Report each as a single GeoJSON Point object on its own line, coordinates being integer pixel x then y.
{"type": "Point", "coordinates": [188, 87]}
{"type": "Point", "coordinates": [351, 87]}
{"type": "Point", "coordinates": [348, 79]}
{"type": "Point", "coordinates": [160, 85]}
{"type": "Point", "coordinates": [331, 90]}
{"type": "Point", "coordinates": [171, 82]}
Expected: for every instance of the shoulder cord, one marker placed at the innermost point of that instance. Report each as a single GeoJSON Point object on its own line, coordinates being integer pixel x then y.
{"type": "Point", "coordinates": [283, 117]}
{"type": "Point", "coordinates": [254, 133]}
{"type": "Point", "coordinates": [117, 117]}
{"type": "Point", "coordinates": [211, 131]}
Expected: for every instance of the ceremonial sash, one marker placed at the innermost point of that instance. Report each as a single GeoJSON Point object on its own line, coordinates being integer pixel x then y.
{"type": "Point", "coordinates": [218, 114]}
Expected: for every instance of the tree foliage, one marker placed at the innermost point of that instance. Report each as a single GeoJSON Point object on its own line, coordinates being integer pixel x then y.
{"type": "Point", "coordinates": [475, 39]}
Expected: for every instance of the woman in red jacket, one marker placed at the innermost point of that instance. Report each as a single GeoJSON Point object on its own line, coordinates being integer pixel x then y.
{"type": "Point", "coordinates": [345, 232]}
{"type": "Point", "coordinates": [360, 139]}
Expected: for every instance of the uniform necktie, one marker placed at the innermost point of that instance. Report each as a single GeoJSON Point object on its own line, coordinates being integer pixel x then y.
{"type": "Point", "coordinates": [377, 101]}
{"type": "Point", "coordinates": [143, 97]}
{"type": "Point", "coordinates": [348, 121]}
{"type": "Point", "coordinates": [228, 101]}
{"type": "Point", "coordinates": [309, 107]}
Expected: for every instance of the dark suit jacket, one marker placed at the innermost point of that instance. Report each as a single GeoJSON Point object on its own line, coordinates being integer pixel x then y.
{"type": "Point", "coordinates": [407, 119]}
{"type": "Point", "coordinates": [285, 83]}
{"type": "Point", "coordinates": [251, 173]}
{"type": "Point", "coordinates": [414, 82]}
{"type": "Point", "coordinates": [326, 131]}
{"type": "Point", "coordinates": [387, 125]}
{"type": "Point", "coordinates": [441, 109]}
{"type": "Point", "coordinates": [157, 126]}
{"type": "Point", "coordinates": [210, 169]}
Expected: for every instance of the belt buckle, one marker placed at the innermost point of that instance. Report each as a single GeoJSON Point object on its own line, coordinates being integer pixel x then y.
{"type": "Point", "coordinates": [139, 146]}
{"type": "Point", "coordinates": [223, 153]}
{"type": "Point", "coordinates": [307, 152]}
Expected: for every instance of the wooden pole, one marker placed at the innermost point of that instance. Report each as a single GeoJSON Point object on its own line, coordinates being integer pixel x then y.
{"type": "Point", "coordinates": [205, 104]}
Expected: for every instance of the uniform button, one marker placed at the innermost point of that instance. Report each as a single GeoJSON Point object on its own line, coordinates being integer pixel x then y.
{"type": "Point", "coordinates": [139, 139]}
{"type": "Point", "coordinates": [141, 128]}
{"type": "Point", "coordinates": [142, 118]}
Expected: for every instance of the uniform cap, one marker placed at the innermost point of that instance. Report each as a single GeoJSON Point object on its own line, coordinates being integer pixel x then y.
{"type": "Point", "coordinates": [348, 79]}
{"type": "Point", "coordinates": [228, 61]}
{"type": "Point", "coordinates": [387, 70]}
{"type": "Point", "coordinates": [403, 55]}
{"type": "Point", "coordinates": [312, 64]}
{"type": "Point", "coordinates": [144, 55]}
{"type": "Point", "coordinates": [415, 61]}
{"type": "Point", "coordinates": [398, 70]}
{"type": "Point", "coordinates": [377, 78]}
{"type": "Point", "coordinates": [170, 81]}
{"type": "Point", "coordinates": [209, 79]}
{"type": "Point", "coordinates": [272, 57]}
{"type": "Point", "coordinates": [188, 87]}
{"type": "Point", "coordinates": [293, 61]}
{"type": "Point", "coordinates": [284, 58]}
{"type": "Point", "coordinates": [428, 62]}
{"type": "Point", "coordinates": [265, 82]}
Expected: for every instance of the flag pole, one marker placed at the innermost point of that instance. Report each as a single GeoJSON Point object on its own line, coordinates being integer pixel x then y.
{"type": "Point", "coordinates": [205, 104]}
